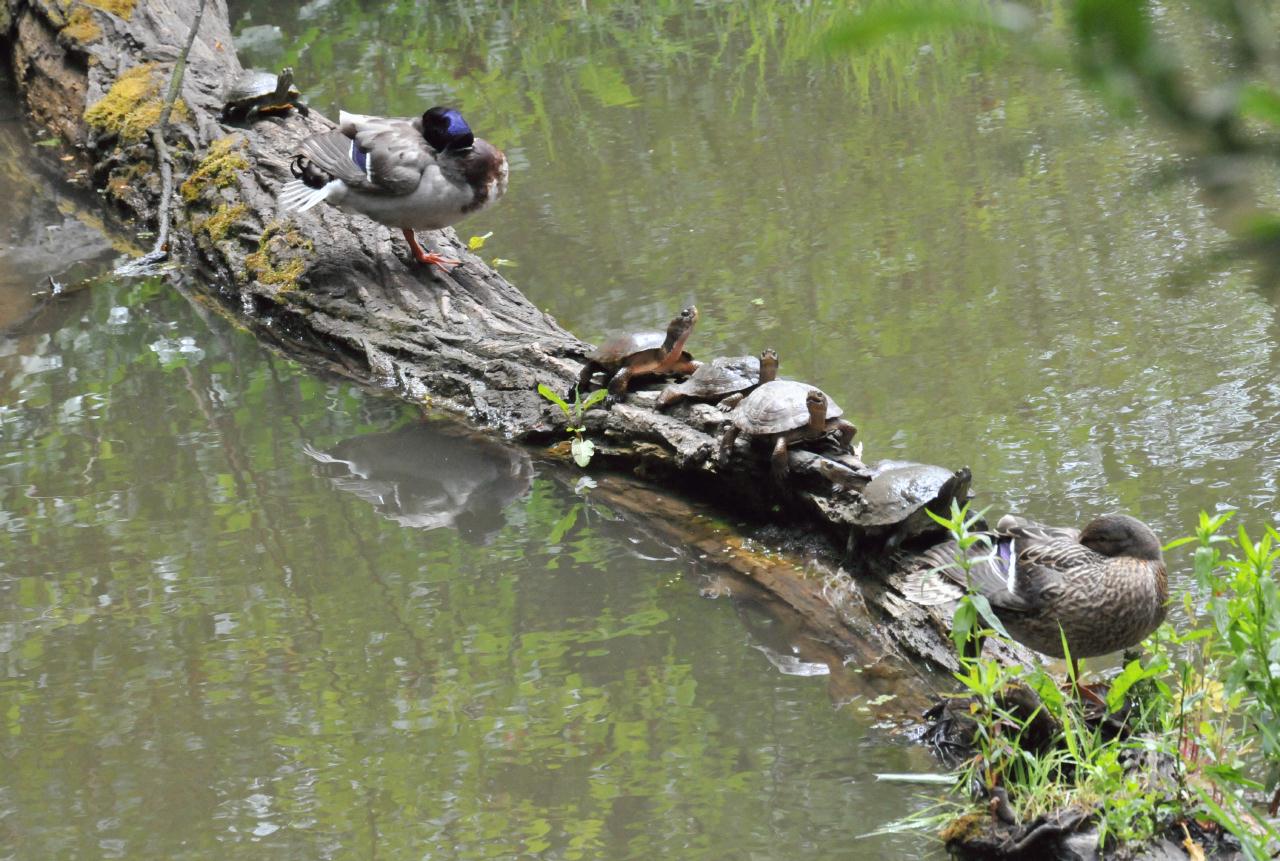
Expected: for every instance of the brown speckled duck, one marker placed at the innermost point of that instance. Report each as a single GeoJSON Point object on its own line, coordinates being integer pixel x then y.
{"type": "Point", "coordinates": [1104, 586]}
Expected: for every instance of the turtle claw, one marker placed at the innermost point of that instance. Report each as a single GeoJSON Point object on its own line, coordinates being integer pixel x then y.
{"type": "Point", "coordinates": [611, 401]}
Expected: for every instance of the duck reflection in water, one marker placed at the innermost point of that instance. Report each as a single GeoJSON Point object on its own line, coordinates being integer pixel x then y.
{"type": "Point", "coordinates": [426, 477]}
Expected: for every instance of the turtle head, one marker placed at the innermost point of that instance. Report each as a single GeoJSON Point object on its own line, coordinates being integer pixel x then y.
{"type": "Point", "coordinates": [768, 365]}
{"type": "Point", "coordinates": [1121, 535]}
{"type": "Point", "coordinates": [284, 82]}
{"type": "Point", "coordinates": [678, 331]}
{"type": "Point", "coordinates": [816, 403]}
{"type": "Point", "coordinates": [446, 130]}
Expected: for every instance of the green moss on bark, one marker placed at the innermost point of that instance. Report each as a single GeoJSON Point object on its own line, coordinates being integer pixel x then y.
{"type": "Point", "coordinates": [133, 105]}
{"type": "Point", "coordinates": [219, 169]}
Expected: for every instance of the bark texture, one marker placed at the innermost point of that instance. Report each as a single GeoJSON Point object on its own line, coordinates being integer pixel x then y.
{"type": "Point", "coordinates": [342, 293]}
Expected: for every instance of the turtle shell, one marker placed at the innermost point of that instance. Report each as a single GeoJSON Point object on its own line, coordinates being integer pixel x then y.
{"type": "Point", "coordinates": [618, 348]}
{"type": "Point", "coordinates": [254, 85]}
{"type": "Point", "coordinates": [722, 376]}
{"type": "Point", "coordinates": [898, 489]}
{"type": "Point", "coordinates": [777, 407]}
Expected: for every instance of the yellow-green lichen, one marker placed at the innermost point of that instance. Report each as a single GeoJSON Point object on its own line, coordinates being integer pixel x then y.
{"type": "Point", "coordinates": [218, 170]}
{"type": "Point", "coordinates": [81, 27]}
{"type": "Point", "coordinates": [133, 104]}
{"type": "Point", "coordinates": [121, 8]}
{"type": "Point", "coordinates": [217, 225]}
{"type": "Point", "coordinates": [280, 259]}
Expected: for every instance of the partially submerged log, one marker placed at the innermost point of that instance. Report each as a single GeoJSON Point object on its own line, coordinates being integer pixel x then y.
{"type": "Point", "coordinates": [342, 293]}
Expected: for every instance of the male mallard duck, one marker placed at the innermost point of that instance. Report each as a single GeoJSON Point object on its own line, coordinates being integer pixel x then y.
{"type": "Point", "coordinates": [421, 173]}
{"type": "Point", "coordinates": [1104, 586]}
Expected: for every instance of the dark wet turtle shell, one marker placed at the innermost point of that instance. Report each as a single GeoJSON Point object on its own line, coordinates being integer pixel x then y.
{"type": "Point", "coordinates": [716, 379]}
{"type": "Point", "coordinates": [617, 350]}
{"type": "Point", "coordinates": [896, 499]}
{"type": "Point", "coordinates": [899, 488]}
{"type": "Point", "coordinates": [257, 89]}
{"type": "Point", "coordinates": [777, 407]}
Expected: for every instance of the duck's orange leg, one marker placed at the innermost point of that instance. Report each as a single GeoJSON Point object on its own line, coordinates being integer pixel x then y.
{"type": "Point", "coordinates": [428, 257]}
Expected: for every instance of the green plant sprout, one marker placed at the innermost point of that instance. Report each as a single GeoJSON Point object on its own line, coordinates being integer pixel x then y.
{"type": "Point", "coordinates": [965, 632]}
{"type": "Point", "coordinates": [581, 447]}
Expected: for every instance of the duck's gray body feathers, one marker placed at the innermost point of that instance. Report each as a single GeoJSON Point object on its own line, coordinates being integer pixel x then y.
{"type": "Point", "coordinates": [385, 169]}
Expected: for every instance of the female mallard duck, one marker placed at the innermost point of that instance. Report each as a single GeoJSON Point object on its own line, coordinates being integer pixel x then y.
{"type": "Point", "coordinates": [421, 173]}
{"type": "Point", "coordinates": [1103, 587]}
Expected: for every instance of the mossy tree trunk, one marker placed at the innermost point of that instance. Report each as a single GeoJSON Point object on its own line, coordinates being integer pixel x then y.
{"type": "Point", "coordinates": [342, 293]}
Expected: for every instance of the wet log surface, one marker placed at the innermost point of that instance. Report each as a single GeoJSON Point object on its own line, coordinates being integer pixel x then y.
{"type": "Point", "coordinates": [341, 293]}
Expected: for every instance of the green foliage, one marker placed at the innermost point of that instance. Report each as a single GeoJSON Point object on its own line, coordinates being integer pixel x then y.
{"type": "Point", "coordinates": [965, 631]}
{"type": "Point", "coordinates": [1207, 700]}
{"type": "Point", "coordinates": [1227, 113]}
{"type": "Point", "coordinates": [1242, 603]}
{"type": "Point", "coordinates": [874, 23]}
{"type": "Point", "coordinates": [582, 448]}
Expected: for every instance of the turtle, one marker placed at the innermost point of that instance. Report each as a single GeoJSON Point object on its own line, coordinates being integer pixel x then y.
{"type": "Point", "coordinates": [896, 501]}
{"type": "Point", "coordinates": [782, 412]}
{"type": "Point", "coordinates": [259, 92]}
{"type": "Point", "coordinates": [622, 358]}
{"type": "Point", "coordinates": [724, 381]}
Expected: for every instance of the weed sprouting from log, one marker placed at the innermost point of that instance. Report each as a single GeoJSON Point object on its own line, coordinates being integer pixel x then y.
{"type": "Point", "coordinates": [581, 447]}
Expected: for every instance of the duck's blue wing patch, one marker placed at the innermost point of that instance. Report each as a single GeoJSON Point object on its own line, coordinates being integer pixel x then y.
{"type": "Point", "coordinates": [360, 158]}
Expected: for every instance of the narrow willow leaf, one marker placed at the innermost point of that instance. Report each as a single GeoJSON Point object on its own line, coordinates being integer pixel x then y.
{"type": "Point", "coordinates": [546, 392]}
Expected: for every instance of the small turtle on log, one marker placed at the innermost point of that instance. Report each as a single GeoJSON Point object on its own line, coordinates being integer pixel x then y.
{"type": "Point", "coordinates": [623, 358]}
{"type": "Point", "coordinates": [782, 412]}
{"type": "Point", "coordinates": [897, 502]}
{"type": "Point", "coordinates": [259, 92]}
{"type": "Point", "coordinates": [724, 381]}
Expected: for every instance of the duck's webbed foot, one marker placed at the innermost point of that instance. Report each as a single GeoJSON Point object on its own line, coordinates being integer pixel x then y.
{"type": "Point", "coordinates": [428, 257]}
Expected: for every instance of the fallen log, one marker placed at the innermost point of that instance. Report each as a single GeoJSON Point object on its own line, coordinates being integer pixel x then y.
{"type": "Point", "coordinates": [340, 293]}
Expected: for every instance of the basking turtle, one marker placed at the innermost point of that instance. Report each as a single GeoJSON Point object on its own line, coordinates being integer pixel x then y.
{"type": "Point", "coordinates": [257, 92]}
{"type": "Point", "coordinates": [898, 498]}
{"type": "Point", "coordinates": [723, 380]}
{"type": "Point", "coordinates": [622, 358]}
{"type": "Point", "coordinates": [781, 412]}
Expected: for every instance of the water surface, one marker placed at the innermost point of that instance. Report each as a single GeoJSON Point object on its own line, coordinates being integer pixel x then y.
{"type": "Point", "coordinates": [247, 609]}
{"type": "Point", "coordinates": [953, 240]}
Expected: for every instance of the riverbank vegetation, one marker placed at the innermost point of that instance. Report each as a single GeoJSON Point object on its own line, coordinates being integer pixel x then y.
{"type": "Point", "coordinates": [1187, 747]}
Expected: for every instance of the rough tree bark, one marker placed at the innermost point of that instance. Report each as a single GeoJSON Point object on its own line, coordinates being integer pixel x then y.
{"type": "Point", "coordinates": [341, 292]}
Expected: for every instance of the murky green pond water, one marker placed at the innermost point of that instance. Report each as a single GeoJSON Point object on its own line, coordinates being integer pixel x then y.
{"type": "Point", "coordinates": [240, 604]}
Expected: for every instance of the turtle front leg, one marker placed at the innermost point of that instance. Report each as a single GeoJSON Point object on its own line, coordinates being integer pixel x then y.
{"type": "Point", "coordinates": [726, 445]}
{"type": "Point", "coordinates": [845, 432]}
{"type": "Point", "coordinates": [727, 403]}
{"type": "Point", "coordinates": [584, 382]}
{"type": "Point", "coordinates": [302, 108]}
{"type": "Point", "coordinates": [778, 460]}
{"type": "Point", "coordinates": [618, 387]}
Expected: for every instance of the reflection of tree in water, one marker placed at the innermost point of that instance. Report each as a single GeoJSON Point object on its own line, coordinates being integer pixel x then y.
{"type": "Point", "coordinates": [41, 236]}
{"type": "Point", "coordinates": [425, 478]}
